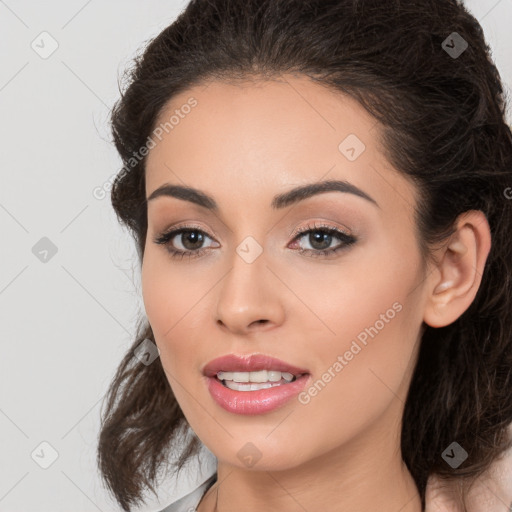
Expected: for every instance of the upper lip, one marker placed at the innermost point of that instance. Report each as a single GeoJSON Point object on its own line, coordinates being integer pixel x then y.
{"type": "Point", "coordinates": [249, 363]}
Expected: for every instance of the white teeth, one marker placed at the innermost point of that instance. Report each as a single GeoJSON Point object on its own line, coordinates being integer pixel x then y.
{"type": "Point", "coordinates": [275, 376]}
{"type": "Point", "coordinates": [262, 376]}
{"type": "Point", "coordinates": [250, 387]}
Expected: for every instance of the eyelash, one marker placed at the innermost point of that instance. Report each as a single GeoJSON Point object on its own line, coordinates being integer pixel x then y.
{"type": "Point", "coordinates": [346, 239]}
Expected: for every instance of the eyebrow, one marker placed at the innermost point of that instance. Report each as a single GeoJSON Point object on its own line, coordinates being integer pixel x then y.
{"type": "Point", "coordinates": [278, 202]}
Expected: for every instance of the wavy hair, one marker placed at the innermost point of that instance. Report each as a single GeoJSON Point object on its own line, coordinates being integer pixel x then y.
{"type": "Point", "coordinates": [442, 120]}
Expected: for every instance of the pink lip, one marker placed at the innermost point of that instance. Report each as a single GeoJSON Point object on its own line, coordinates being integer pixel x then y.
{"type": "Point", "coordinates": [253, 402]}
{"type": "Point", "coordinates": [249, 363]}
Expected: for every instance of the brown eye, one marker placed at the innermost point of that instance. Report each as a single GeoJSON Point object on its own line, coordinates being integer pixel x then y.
{"type": "Point", "coordinates": [321, 237]}
{"type": "Point", "coordinates": [191, 240]}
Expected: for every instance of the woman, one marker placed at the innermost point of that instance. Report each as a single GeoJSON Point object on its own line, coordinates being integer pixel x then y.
{"type": "Point", "coordinates": [319, 192]}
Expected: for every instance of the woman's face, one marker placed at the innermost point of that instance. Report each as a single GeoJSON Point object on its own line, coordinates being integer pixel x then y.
{"type": "Point", "coordinates": [351, 318]}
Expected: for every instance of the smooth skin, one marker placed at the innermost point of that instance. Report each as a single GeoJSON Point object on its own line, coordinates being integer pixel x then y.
{"type": "Point", "coordinates": [243, 144]}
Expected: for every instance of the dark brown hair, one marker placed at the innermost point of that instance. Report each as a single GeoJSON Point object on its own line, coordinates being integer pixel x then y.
{"type": "Point", "coordinates": [442, 123]}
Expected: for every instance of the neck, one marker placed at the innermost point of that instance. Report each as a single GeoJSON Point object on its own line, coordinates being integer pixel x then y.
{"type": "Point", "coordinates": [366, 474]}
{"type": "Point", "coordinates": [404, 497]}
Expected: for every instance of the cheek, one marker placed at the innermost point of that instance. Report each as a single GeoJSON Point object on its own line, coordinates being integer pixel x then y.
{"type": "Point", "coordinates": [373, 318]}
{"type": "Point", "coordinates": [175, 303]}
{"type": "Point", "coordinates": [167, 290]}
{"type": "Point", "coordinates": [156, 285]}
{"type": "Point", "coordinates": [363, 373]}
{"type": "Point", "coordinates": [344, 299]}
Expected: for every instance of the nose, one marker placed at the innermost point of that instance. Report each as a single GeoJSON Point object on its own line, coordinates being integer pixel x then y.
{"type": "Point", "coordinates": [249, 297]}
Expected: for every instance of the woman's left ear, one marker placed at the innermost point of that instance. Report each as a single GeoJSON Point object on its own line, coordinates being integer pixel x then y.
{"type": "Point", "coordinates": [453, 284]}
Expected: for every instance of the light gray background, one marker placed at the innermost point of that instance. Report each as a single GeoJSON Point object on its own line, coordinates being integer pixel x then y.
{"type": "Point", "coordinates": [66, 323]}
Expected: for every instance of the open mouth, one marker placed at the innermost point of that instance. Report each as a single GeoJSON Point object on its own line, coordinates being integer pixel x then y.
{"type": "Point", "coordinates": [254, 381]}
{"type": "Point", "coordinates": [265, 385]}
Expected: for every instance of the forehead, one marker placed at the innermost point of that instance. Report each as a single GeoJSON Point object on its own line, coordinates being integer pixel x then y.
{"type": "Point", "coordinates": [245, 138]}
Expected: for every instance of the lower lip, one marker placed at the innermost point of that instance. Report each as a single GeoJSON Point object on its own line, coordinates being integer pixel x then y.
{"type": "Point", "coordinates": [255, 402]}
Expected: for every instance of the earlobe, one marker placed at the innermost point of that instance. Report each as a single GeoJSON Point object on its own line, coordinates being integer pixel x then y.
{"type": "Point", "coordinates": [453, 286]}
